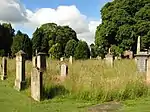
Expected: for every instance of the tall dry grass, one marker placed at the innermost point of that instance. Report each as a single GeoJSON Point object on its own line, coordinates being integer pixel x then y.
{"type": "Point", "coordinates": [88, 80]}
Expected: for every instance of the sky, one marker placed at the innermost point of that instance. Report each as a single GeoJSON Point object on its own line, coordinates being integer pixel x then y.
{"type": "Point", "coordinates": [83, 16]}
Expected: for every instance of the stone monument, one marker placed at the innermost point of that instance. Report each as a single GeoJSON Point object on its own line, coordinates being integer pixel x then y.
{"type": "Point", "coordinates": [20, 71]}
{"type": "Point", "coordinates": [141, 59]}
{"type": "Point", "coordinates": [64, 70]}
{"type": "Point", "coordinates": [4, 68]}
{"type": "Point", "coordinates": [36, 84]}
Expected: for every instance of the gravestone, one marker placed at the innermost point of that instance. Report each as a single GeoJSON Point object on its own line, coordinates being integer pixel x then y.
{"type": "Point", "coordinates": [4, 68]}
{"type": "Point", "coordinates": [34, 61]}
{"type": "Point", "coordinates": [20, 71]}
{"type": "Point", "coordinates": [62, 59]}
{"type": "Point", "coordinates": [36, 84]}
{"type": "Point", "coordinates": [64, 70]}
{"type": "Point", "coordinates": [71, 60]}
{"type": "Point", "coordinates": [41, 61]}
{"type": "Point", "coordinates": [141, 60]}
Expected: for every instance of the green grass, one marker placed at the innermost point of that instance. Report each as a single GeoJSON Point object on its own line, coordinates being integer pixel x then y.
{"type": "Point", "coordinates": [88, 82]}
{"type": "Point", "coordinates": [14, 101]}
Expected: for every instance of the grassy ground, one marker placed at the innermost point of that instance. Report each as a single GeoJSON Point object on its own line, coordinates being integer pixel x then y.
{"type": "Point", "coordinates": [88, 82]}
{"type": "Point", "coordinates": [13, 101]}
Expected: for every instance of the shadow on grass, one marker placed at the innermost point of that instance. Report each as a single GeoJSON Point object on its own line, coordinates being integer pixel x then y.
{"type": "Point", "coordinates": [53, 91]}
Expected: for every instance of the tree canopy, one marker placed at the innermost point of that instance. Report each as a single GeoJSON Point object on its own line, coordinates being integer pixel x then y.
{"type": "Point", "coordinates": [6, 34]}
{"type": "Point", "coordinates": [122, 22]}
{"type": "Point", "coordinates": [50, 36]}
{"type": "Point", "coordinates": [82, 50]}
{"type": "Point", "coordinates": [22, 42]}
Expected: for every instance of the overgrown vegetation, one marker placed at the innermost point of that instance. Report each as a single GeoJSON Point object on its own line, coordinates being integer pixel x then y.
{"type": "Point", "coordinates": [89, 80]}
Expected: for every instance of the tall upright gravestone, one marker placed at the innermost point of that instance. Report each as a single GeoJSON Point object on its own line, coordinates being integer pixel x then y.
{"type": "Point", "coordinates": [36, 84]}
{"type": "Point", "coordinates": [4, 68]}
{"type": "Point", "coordinates": [37, 77]}
{"type": "Point", "coordinates": [20, 71]}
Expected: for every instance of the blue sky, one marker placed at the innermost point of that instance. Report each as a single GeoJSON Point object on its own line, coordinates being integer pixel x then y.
{"type": "Point", "coordinates": [90, 8]}
{"type": "Point", "coordinates": [83, 16]}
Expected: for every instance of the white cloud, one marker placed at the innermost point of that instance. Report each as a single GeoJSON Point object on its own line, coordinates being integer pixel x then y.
{"type": "Point", "coordinates": [12, 11]}
{"type": "Point", "coordinates": [15, 12]}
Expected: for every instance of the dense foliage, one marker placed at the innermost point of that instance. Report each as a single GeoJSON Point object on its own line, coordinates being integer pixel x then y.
{"type": "Point", "coordinates": [82, 50]}
{"type": "Point", "coordinates": [122, 22]}
{"type": "Point", "coordinates": [70, 48]}
{"type": "Point", "coordinates": [22, 42]}
{"type": "Point", "coordinates": [51, 38]}
{"type": "Point", "coordinates": [6, 34]}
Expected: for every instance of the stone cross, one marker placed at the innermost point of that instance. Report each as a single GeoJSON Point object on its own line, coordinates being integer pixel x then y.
{"type": "Point", "coordinates": [20, 71]}
{"type": "Point", "coordinates": [71, 60]}
{"type": "Point", "coordinates": [41, 61]}
{"type": "Point", "coordinates": [36, 84]}
{"type": "Point", "coordinates": [138, 45]}
{"type": "Point", "coordinates": [4, 68]}
{"type": "Point", "coordinates": [64, 70]}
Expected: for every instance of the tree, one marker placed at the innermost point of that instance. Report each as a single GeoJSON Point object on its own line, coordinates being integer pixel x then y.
{"type": "Point", "coordinates": [82, 50]}
{"type": "Point", "coordinates": [122, 22]}
{"type": "Point", "coordinates": [93, 51]}
{"type": "Point", "coordinates": [6, 34]}
{"type": "Point", "coordinates": [56, 51]}
{"type": "Point", "coordinates": [22, 42]}
{"type": "Point", "coordinates": [52, 34]}
{"type": "Point", "coordinates": [70, 48]}
{"type": "Point", "coordinates": [39, 42]}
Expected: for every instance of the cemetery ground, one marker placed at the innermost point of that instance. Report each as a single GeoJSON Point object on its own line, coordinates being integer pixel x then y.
{"type": "Point", "coordinates": [88, 83]}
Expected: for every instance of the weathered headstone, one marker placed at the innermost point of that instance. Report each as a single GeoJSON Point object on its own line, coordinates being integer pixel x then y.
{"type": "Point", "coordinates": [141, 60]}
{"type": "Point", "coordinates": [36, 84]}
{"type": "Point", "coordinates": [41, 61]}
{"type": "Point", "coordinates": [62, 59]}
{"type": "Point", "coordinates": [64, 70]}
{"type": "Point", "coordinates": [20, 71]}
{"type": "Point", "coordinates": [4, 68]}
{"type": "Point", "coordinates": [71, 60]}
{"type": "Point", "coordinates": [34, 61]}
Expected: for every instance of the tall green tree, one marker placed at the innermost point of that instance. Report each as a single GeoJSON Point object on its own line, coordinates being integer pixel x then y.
{"type": "Point", "coordinates": [22, 42]}
{"type": "Point", "coordinates": [39, 42]}
{"type": "Point", "coordinates": [93, 52]}
{"type": "Point", "coordinates": [122, 22]}
{"type": "Point", "coordinates": [6, 34]}
{"type": "Point", "coordinates": [70, 48]}
{"type": "Point", "coordinates": [56, 51]}
{"type": "Point", "coordinates": [51, 34]}
{"type": "Point", "coordinates": [82, 50]}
